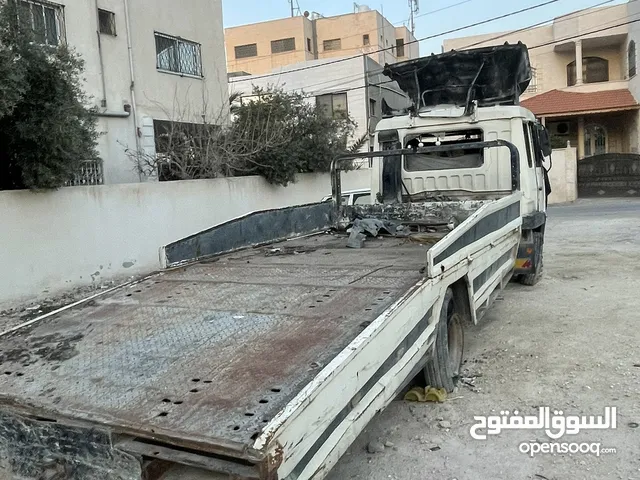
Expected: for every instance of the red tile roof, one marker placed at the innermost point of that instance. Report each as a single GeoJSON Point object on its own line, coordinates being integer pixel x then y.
{"type": "Point", "coordinates": [557, 102]}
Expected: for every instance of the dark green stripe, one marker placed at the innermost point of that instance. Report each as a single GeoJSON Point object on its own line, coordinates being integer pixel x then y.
{"type": "Point", "coordinates": [481, 279]}
{"type": "Point", "coordinates": [396, 355]}
{"type": "Point", "coordinates": [489, 224]}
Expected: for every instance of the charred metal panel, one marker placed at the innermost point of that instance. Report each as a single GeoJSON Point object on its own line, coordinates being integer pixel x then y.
{"type": "Point", "coordinates": [254, 229]}
{"type": "Point", "coordinates": [428, 212]}
{"type": "Point", "coordinates": [489, 75]}
{"type": "Point", "coordinates": [42, 449]}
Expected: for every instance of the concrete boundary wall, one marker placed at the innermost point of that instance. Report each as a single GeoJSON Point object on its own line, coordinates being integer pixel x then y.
{"type": "Point", "coordinates": [58, 240]}
{"type": "Point", "coordinates": [563, 176]}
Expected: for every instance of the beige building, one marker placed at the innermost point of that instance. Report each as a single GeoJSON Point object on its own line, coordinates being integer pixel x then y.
{"type": "Point", "coordinates": [582, 66]}
{"type": "Point", "coordinates": [260, 48]}
{"type": "Point", "coordinates": [145, 60]}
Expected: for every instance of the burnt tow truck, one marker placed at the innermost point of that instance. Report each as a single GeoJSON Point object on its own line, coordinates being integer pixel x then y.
{"type": "Point", "coordinates": [267, 344]}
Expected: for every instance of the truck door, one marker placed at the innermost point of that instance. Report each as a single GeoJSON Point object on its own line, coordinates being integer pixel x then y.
{"type": "Point", "coordinates": [531, 181]}
{"type": "Point", "coordinates": [539, 164]}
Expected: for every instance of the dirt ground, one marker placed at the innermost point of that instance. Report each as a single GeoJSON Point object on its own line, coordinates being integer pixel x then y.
{"type": "Point", "coordinates": [570, 343]}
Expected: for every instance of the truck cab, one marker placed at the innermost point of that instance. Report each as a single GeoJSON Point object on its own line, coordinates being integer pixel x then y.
{"type": "Point", "coordinates": [462, 99]}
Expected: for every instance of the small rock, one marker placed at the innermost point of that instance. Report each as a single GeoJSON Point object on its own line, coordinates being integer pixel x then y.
{"type": "Point", "coordinates": [389, 444]}
{"type": "Point", "coordinates": [375, 447]}
{"type": "Point", "coordinates": [444, 424]}
{"type": "Point", "coordinates": [439, 419]}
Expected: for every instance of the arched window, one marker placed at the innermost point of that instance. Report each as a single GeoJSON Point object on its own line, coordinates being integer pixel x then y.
{"type": "Point", "coordinates": [595, 140]}
{"type": "Point", "coordinates": [594, 69]}
{"type": "Point", "coordinates": [631, 54]}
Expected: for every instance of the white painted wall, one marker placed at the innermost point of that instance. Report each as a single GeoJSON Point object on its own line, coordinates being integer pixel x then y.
{"type": "Point", "coordinates": [345, 76]}
{"type": "Point", "coordinates": [563, 176]}
{"type": "Point", "coordinates": [158, 95]}
{"type": "Point", "coordinates": [74, 236]}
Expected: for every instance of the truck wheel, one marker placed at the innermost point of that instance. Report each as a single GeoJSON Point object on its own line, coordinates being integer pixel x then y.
{"type": "Point", "coordinates": [443, 368]}
{"type": "Point", "coordinates": [533, 278]}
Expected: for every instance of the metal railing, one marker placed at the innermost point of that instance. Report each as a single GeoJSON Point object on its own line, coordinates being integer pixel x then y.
{"type": "Point", "coordinates": [91, 173]}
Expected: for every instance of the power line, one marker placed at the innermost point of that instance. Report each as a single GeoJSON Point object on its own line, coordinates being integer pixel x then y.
{"type": "Point", "coordinates": [571, 17]}
{"type": "Point", "coordinates": [539, 24]}
{"type": "Point", "coordinates": [531, 48]}
{"type": "Point", "coordinates": [476, 24]}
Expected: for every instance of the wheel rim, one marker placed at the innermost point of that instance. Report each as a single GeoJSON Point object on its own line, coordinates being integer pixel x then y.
{"type": "Point", "coordinates": [455, 342]}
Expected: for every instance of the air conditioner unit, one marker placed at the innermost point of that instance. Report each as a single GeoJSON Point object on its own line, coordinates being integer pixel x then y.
{"type": "Point", "coordinates": [559, 128]}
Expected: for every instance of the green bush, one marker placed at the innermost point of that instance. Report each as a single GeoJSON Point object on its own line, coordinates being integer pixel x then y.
{"type": "Point", "coordinates": [46, 129]}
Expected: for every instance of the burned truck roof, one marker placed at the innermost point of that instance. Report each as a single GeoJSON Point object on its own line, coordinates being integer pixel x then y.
{"type": "Point", "coordinates": [489, 75]}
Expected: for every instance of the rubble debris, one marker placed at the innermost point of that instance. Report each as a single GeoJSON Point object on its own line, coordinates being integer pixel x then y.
{"type": "Point", "coordinates": [375, 446]}
{"type": "Point", "coordinates": [427, 394]}
{"type": "Point", "coordinates": [444, 424]}
{"type": "Point", "coordinates": [356, 239]}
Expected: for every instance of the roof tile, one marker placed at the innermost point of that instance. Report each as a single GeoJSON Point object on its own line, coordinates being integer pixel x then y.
{"type": "Point", "coordinates": [556, 102]}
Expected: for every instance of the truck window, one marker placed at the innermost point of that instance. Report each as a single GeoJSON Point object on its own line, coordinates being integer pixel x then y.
{"type": "Point", "coordinates": [467, 158]}
{"type": "Point", "coordinates": [527, 142]}
{"type": "Point", "coordinates": [362, 199]}
{"type": "Point", "coordinates": [537, 150]}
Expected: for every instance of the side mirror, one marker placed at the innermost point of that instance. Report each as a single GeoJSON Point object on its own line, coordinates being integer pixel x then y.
{"type": "Point", "coordinates": [544, 141]}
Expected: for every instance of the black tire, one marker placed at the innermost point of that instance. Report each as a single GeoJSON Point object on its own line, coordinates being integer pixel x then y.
{"type": "Point", "coordinates": [443, 367]}
{"type": "Point", "coordinates": [531, 279]}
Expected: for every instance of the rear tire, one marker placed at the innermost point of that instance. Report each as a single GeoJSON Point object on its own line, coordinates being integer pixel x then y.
{"type": "Point", "coordinates": [443, 368]}
{"type": "Point", "coordinates": [531, 279]}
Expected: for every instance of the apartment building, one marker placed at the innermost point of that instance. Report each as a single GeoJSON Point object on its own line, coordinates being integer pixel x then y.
{"type": "Point", "coordinates": [145, 61]}
{"type": "Point", "coordinates": [260, 48]}
{"type": "Point", "coordinates": [584, 85]}
{"type": "Point", "coordinates": [353, 86]}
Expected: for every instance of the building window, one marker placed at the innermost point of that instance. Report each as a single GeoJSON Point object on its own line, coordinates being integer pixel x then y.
{"type": "Point", "coordinates": [333, 44]}
{"type": "Point", "coordinates": [107, 22]}
{"type": "Point", "coordinates": [309, 45]}
{"type": "Point", "coordinates": [595, 140]}
{"type": "Point", "coordinates": [333, 104]}
{"type": "Point", "coordinates": [44, 19]}
{"type": "Point", "coordinates": [594, 70]}
{"type": "Point", "coordinates": [400, 47]}
{"type": "Point", "coordinates": [177, 55]}
{"type": "Point", "coordinates": [631, 54]}
{"type": "Point", "coordinates": [245, 51]}
{"type": "Point", "coordinates": [283, 45]}
{"type": "Point", "coordinates": [372, 107]}
{"type": "Point", "coordinates": [365, 39]}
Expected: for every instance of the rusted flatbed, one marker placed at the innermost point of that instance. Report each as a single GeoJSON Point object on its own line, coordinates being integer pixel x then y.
{"type": "Point", "coordinates": [203, 356]}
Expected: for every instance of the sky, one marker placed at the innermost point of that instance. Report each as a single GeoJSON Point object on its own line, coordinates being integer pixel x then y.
{"type": "Point", "coordinates": [453, 14]}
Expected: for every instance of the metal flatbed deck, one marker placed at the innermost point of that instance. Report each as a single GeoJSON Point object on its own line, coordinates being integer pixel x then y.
{"type": "Point", "coordinates": [204, 355]}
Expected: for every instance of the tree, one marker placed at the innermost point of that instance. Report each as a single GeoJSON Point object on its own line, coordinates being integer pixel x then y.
{"type": "Point", "coordinates": [46, 130]}
{"type": "Point", "coordinates": [275, 134]}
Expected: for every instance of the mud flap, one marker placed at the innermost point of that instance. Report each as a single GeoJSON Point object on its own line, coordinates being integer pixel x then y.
{"type": "Point", "coordinates": [45, 449]}
{"type": "Point", "coordinates": [525, 261]}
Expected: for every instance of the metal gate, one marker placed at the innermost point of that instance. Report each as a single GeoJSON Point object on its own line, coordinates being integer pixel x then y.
{"type": "Point", "coordinates": [609, 175]}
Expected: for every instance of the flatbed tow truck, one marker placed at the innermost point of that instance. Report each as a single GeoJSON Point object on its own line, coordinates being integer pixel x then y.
{"type": "Point", "coordinates": [266, 345]}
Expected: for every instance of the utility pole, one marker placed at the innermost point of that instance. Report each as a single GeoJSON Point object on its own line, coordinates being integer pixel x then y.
{"type": "Point", "coordinates": [413, 9]}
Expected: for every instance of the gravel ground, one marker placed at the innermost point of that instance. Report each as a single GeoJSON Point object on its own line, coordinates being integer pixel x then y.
{"type": "Point", "coordinates": [570, 343]}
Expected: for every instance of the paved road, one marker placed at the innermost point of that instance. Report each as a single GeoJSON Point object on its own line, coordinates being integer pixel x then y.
{"type": "Point", "coordinates": [571, 343]}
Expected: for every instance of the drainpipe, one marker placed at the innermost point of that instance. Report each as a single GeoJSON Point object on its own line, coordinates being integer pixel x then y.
{"type": "Point", "coordinates": [134, 106]}
{"type": "Point", "coordinates": [103, 102]}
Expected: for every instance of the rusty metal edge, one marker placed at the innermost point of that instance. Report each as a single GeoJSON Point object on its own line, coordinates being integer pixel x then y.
{"type": "Point", "coordinates": [75, 304]}
{"type": "Point", "coordinates": [209, 445]}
